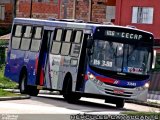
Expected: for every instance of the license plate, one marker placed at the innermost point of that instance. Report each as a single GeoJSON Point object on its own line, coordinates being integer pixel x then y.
{"type": "Point", "coordinates": [118, 91]}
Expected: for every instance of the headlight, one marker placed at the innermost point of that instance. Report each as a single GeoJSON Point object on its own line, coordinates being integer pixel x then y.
{"type": "Point", "coordinates": [146, 85]}
{"type": "Point", "coordinates": [91, 76]}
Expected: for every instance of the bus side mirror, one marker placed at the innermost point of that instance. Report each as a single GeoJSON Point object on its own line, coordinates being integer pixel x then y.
{"type": "Point", "coordinates": [89, 43]}
{"type": "Point", "coordinates": [154, 59]}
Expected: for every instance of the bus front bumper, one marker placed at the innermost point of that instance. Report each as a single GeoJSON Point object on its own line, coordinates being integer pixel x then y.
{"type": "Point", "coordinates": [138, 93]}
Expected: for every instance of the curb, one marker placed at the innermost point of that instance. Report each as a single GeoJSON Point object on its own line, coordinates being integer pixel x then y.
{"type": "Point", "coordinates": [150, 104]}
{"type": "Point", "coordinates": [14, 98]}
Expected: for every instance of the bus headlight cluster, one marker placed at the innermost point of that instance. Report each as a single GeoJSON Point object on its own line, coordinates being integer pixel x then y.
{"type": "Point", "coordinates": [93, 78]}
{"type": "Point", "coordinates": [146, 86]}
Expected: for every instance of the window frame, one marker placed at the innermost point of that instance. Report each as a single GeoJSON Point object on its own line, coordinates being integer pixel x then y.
{"type": "Point", "coordinates": [13, 35]}
{"type": "Point", "coordinates": [54, 40]}
{"type": "Point", "coordinates": [73, 41]}
{"type": "Point", "coordinates": [150, 14]}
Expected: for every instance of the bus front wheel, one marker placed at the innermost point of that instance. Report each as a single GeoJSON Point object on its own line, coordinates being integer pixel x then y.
{"type": "Point", "coordinates": [68, 95]}
{"type": "Point", "coordinates": [120, 103]}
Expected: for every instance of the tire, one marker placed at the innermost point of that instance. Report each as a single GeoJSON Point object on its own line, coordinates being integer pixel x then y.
{"type": "Point", "coordinates": [24, 88]}
{"type": "Point", "coordinates": [32, 90]}
{"type": "Point", "coordinates": [120, 103]}
{"type": "Point", "coordinates": [23, 83]}
{"type": "Point", "coordinates": [68, 95]}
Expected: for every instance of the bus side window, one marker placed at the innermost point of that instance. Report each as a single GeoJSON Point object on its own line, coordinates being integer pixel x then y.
{"type": "Point", "coordinates": [67, 43]}
{"type": "Point", "coordinates": [76, 43]}
{"type": "Point", "coordinates": [36, 40]}
{"type": "Point", "coordinates": [26, 39]}
{"type": "Point", "coordinates": [56, 44]}
{"type": "Point", "coordinates": [78, 37]}
{"type": "Point", "coordinates": [59, 35]}
{"type": "Point", "coordinates": [16, 36]}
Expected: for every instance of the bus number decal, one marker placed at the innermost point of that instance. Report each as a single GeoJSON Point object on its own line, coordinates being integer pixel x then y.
{"type": "Point", "coordinates": [131, 84]}
{"type": "Point", "coordinates": [107, 63]}
{"type": "Point", "coordinates": [96, 62]}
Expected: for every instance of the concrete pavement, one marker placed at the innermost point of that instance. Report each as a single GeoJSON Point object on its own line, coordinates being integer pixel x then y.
{"type": "Point", "coordinates": [152, 101]}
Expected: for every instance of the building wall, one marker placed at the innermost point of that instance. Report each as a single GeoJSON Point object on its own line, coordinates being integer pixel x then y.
{"type": "Point", "coordinates": [39, 9]}
{"type": "Point", "coordinates": [7, 15]}
{"type": "Point", "coordinates": [124, 14]}
{"type": "Point", "coordinates": [70, 9]}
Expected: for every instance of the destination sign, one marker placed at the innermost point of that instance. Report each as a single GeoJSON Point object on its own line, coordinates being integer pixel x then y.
{"type": "Point", "coordinates": [125, 35]}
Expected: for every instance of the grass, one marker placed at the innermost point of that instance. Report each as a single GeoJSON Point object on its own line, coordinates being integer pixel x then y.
{"type": "Point", "coordinates": [6, 83]}
{"type": "Point", "coordinates": [4, 93]}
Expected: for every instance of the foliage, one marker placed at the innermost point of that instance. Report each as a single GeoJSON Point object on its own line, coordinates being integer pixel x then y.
{"type": "Point", "coordinates": [4, 31]}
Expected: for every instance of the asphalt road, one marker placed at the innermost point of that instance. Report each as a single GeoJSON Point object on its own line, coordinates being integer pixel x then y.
{"type": "Point", "coordinates": [47, 106]}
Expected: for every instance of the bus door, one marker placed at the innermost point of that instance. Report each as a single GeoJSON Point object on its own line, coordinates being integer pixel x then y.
{"type": "Point", "coordinates": [82, 64]}
{"type": "Point", "coordinates": [55, 60]}
{"type": "Point", "coordinates": [43, 58]}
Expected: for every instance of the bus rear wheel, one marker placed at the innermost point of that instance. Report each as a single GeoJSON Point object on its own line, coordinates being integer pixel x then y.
{"type": "Point", "coordinates": [68, 95]}
{"type": "Point", "coordinates": [32, 90]}
{"type": "Point", "coordinates": [26, 89]}
{"type": "Point", "coordinates": [23, 83]}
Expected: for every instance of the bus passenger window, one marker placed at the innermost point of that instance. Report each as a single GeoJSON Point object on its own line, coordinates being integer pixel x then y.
{"type": "Point", "coordinates": [59, 35]}
{"type": "Point", "coordinates": [38, 33]}
{"type": "Point", "coordinates": [36, 40]}
{"type": "Point", "coordinates": [18, 31]}
{"type": "Point", "coordinates": [26, 38]}
{"type": "Point", "coordinates": [28, 32]}
{"type": "Point", "coordinates": [16, 38]}
{"type": "Point", "coordinates": [78, 37]}
{"type": "Point", "coordinates": [68, 36]}
{"type": "Point", "coordinates": [75, 50]}
{"type": "Point", "coordinates": [56, 47]}
{"type": "Point", "coordinates": [15, 42]}
{"type": "Point", "coordinates": [65, 48]}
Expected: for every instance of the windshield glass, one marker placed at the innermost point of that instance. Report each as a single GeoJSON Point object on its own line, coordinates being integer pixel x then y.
{"type": "Point", "coordinates": [120, 57]}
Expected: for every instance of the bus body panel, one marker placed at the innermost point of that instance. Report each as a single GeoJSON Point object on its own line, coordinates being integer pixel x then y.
{"type": "Point", "coordinates": [59, 67]}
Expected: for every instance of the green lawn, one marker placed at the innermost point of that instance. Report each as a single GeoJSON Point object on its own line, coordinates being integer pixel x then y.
{"type": "Point", "coordinates": [4, 93]}
{"type": "Point", "coordinates": [5, 83]}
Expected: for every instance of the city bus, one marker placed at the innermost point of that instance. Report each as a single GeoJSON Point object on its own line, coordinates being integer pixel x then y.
{"type": "Point", "coordinates": [80, 59]}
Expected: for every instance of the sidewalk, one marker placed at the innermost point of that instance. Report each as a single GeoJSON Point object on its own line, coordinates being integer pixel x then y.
{"type": "Point", "coordinates": [152, 101]}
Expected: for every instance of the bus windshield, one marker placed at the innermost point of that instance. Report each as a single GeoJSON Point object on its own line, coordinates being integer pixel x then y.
{"type": "Point", "coordinates": [120, 57]}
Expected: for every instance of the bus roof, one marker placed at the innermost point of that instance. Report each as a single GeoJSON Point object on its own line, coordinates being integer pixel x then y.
{"type": "Point", "coordinates": [59, 23]}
